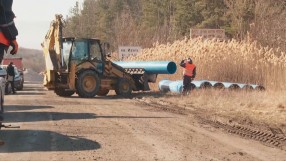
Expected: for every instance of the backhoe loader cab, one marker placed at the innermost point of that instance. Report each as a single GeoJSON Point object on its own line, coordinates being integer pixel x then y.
{"type": "Point", "coordinates": [79, 51]}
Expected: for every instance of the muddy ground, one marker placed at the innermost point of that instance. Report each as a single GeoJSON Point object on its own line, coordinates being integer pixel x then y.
{"type": "Point", "coordinates": [53, 128]}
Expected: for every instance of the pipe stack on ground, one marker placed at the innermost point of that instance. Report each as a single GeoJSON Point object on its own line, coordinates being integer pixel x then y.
{"type": "Point", "coordinates": [177, 86]}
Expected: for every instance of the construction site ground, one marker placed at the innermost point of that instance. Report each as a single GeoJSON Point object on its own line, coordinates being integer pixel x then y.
{"type": "Point", "coordinates": [139, 128]}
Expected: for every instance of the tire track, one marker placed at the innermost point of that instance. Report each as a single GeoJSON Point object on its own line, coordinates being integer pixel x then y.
{"type": "Point", "coordinates": [266, 138]}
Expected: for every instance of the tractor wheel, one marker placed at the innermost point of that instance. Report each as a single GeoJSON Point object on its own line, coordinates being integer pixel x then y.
{"type": "Point", "coordinates": [87, 84]}
{"type": "Point", "coordinates": [123, 87]}
{"type": "Point", "coordinates": [103, 92]}
{"type": "Point", "coordinates": [61, 92]}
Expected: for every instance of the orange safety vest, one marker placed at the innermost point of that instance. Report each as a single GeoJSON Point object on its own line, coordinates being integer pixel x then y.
{"type": "Point", "coordinates": [3, 39]}
{"type": "Point", "coordinates": [189, 69]}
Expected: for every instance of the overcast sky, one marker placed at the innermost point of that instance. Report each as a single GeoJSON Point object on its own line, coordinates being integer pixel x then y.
{"type": "Point", "coordinates": [33, 19]}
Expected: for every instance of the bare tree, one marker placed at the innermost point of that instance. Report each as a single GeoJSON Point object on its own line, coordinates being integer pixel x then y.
{"type": "Point", "coordinates": [269, 26]}
{"type": "Point", "coordinates": [241, 13]}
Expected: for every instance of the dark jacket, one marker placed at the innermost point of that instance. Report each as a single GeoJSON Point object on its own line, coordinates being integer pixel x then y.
{"type": "Point", "coordinates": [7, 25]}
{"type": "Point", "coordinates": [10, 70]}
{"type": "Point", "coordinates": [183, 64]}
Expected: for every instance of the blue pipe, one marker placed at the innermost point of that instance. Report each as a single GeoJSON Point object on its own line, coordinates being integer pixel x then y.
{"type": "Point", "coordinates": [201, 83]}
{"type": "Point", "coordinates": [216, 84]}
{"type": "Point", "coordinates": [151, 67]}
{"type": "Point", "coordinates": [257, 87]}
{"type": "Point", "coordinates": [230, 85]}
{"type": "Point", "coordinates": [241, 85]}
{"type": "Point", "coordinates": [164, 85]}
{"type": "Point", "coordinates": [177, 86]}
{"type": "Point", "coordinates": [245, 86]}
{"type": "Point", "coordinates": [213, 83]}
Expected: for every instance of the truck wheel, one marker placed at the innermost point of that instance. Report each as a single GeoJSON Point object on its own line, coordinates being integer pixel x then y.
{"type": "Point", "coordinates": [61, 92]}
{"type": "Point", "coordinates": [103, 92]}
{"type": "Point", "coordinates": [87, 84]}
{"type": "Point", "coordinates": [123, 87]}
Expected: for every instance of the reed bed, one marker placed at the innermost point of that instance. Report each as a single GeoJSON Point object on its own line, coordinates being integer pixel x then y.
{"type": "Point", "coordinates": [233, 61]}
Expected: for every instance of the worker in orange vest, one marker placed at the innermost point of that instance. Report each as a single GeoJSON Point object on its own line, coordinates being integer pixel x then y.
{"type": "Point", "coordinates": [189, 74]}
{"type": "Point", "coordinates": [8, 33]}
{"type": "Point", "coordinates": [8, 30]}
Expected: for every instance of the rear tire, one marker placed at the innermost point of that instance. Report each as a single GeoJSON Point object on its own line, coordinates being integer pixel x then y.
{"type": "Point", "coordinates": [103, 92]}
{"type": "Point", "coordinates": [61, 92]}
{"type": "Point", "coordinates": [123, 87]}
{"type": "Point", "coordinates": [87, 84]}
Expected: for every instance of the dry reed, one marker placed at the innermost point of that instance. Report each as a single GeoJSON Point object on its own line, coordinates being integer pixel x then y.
{"type": "Point", "coordinates": [233, 61]}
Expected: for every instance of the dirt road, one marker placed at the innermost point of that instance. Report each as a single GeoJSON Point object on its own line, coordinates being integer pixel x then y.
{"type": "Point", "coordinates": [111, 128]}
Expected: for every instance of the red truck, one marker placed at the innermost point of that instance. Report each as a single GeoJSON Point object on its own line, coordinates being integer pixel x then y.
{"type": "Point", "coordinates": [16, 61]}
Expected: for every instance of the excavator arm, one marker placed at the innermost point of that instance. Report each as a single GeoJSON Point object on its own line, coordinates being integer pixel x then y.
{"type": "Point", "coordinates": [52, 46]}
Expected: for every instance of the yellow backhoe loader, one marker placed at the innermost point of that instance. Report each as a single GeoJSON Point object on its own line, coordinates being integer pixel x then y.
{"type": "Point", "coordinates": [80, 65]}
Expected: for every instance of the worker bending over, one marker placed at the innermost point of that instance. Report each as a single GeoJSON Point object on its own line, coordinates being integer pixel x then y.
{"type": "Point", "coordinates": [189, 74]}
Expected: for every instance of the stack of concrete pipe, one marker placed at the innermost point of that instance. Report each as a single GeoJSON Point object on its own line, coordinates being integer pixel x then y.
{"type": "Point", "coordinates": [177, 86]}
